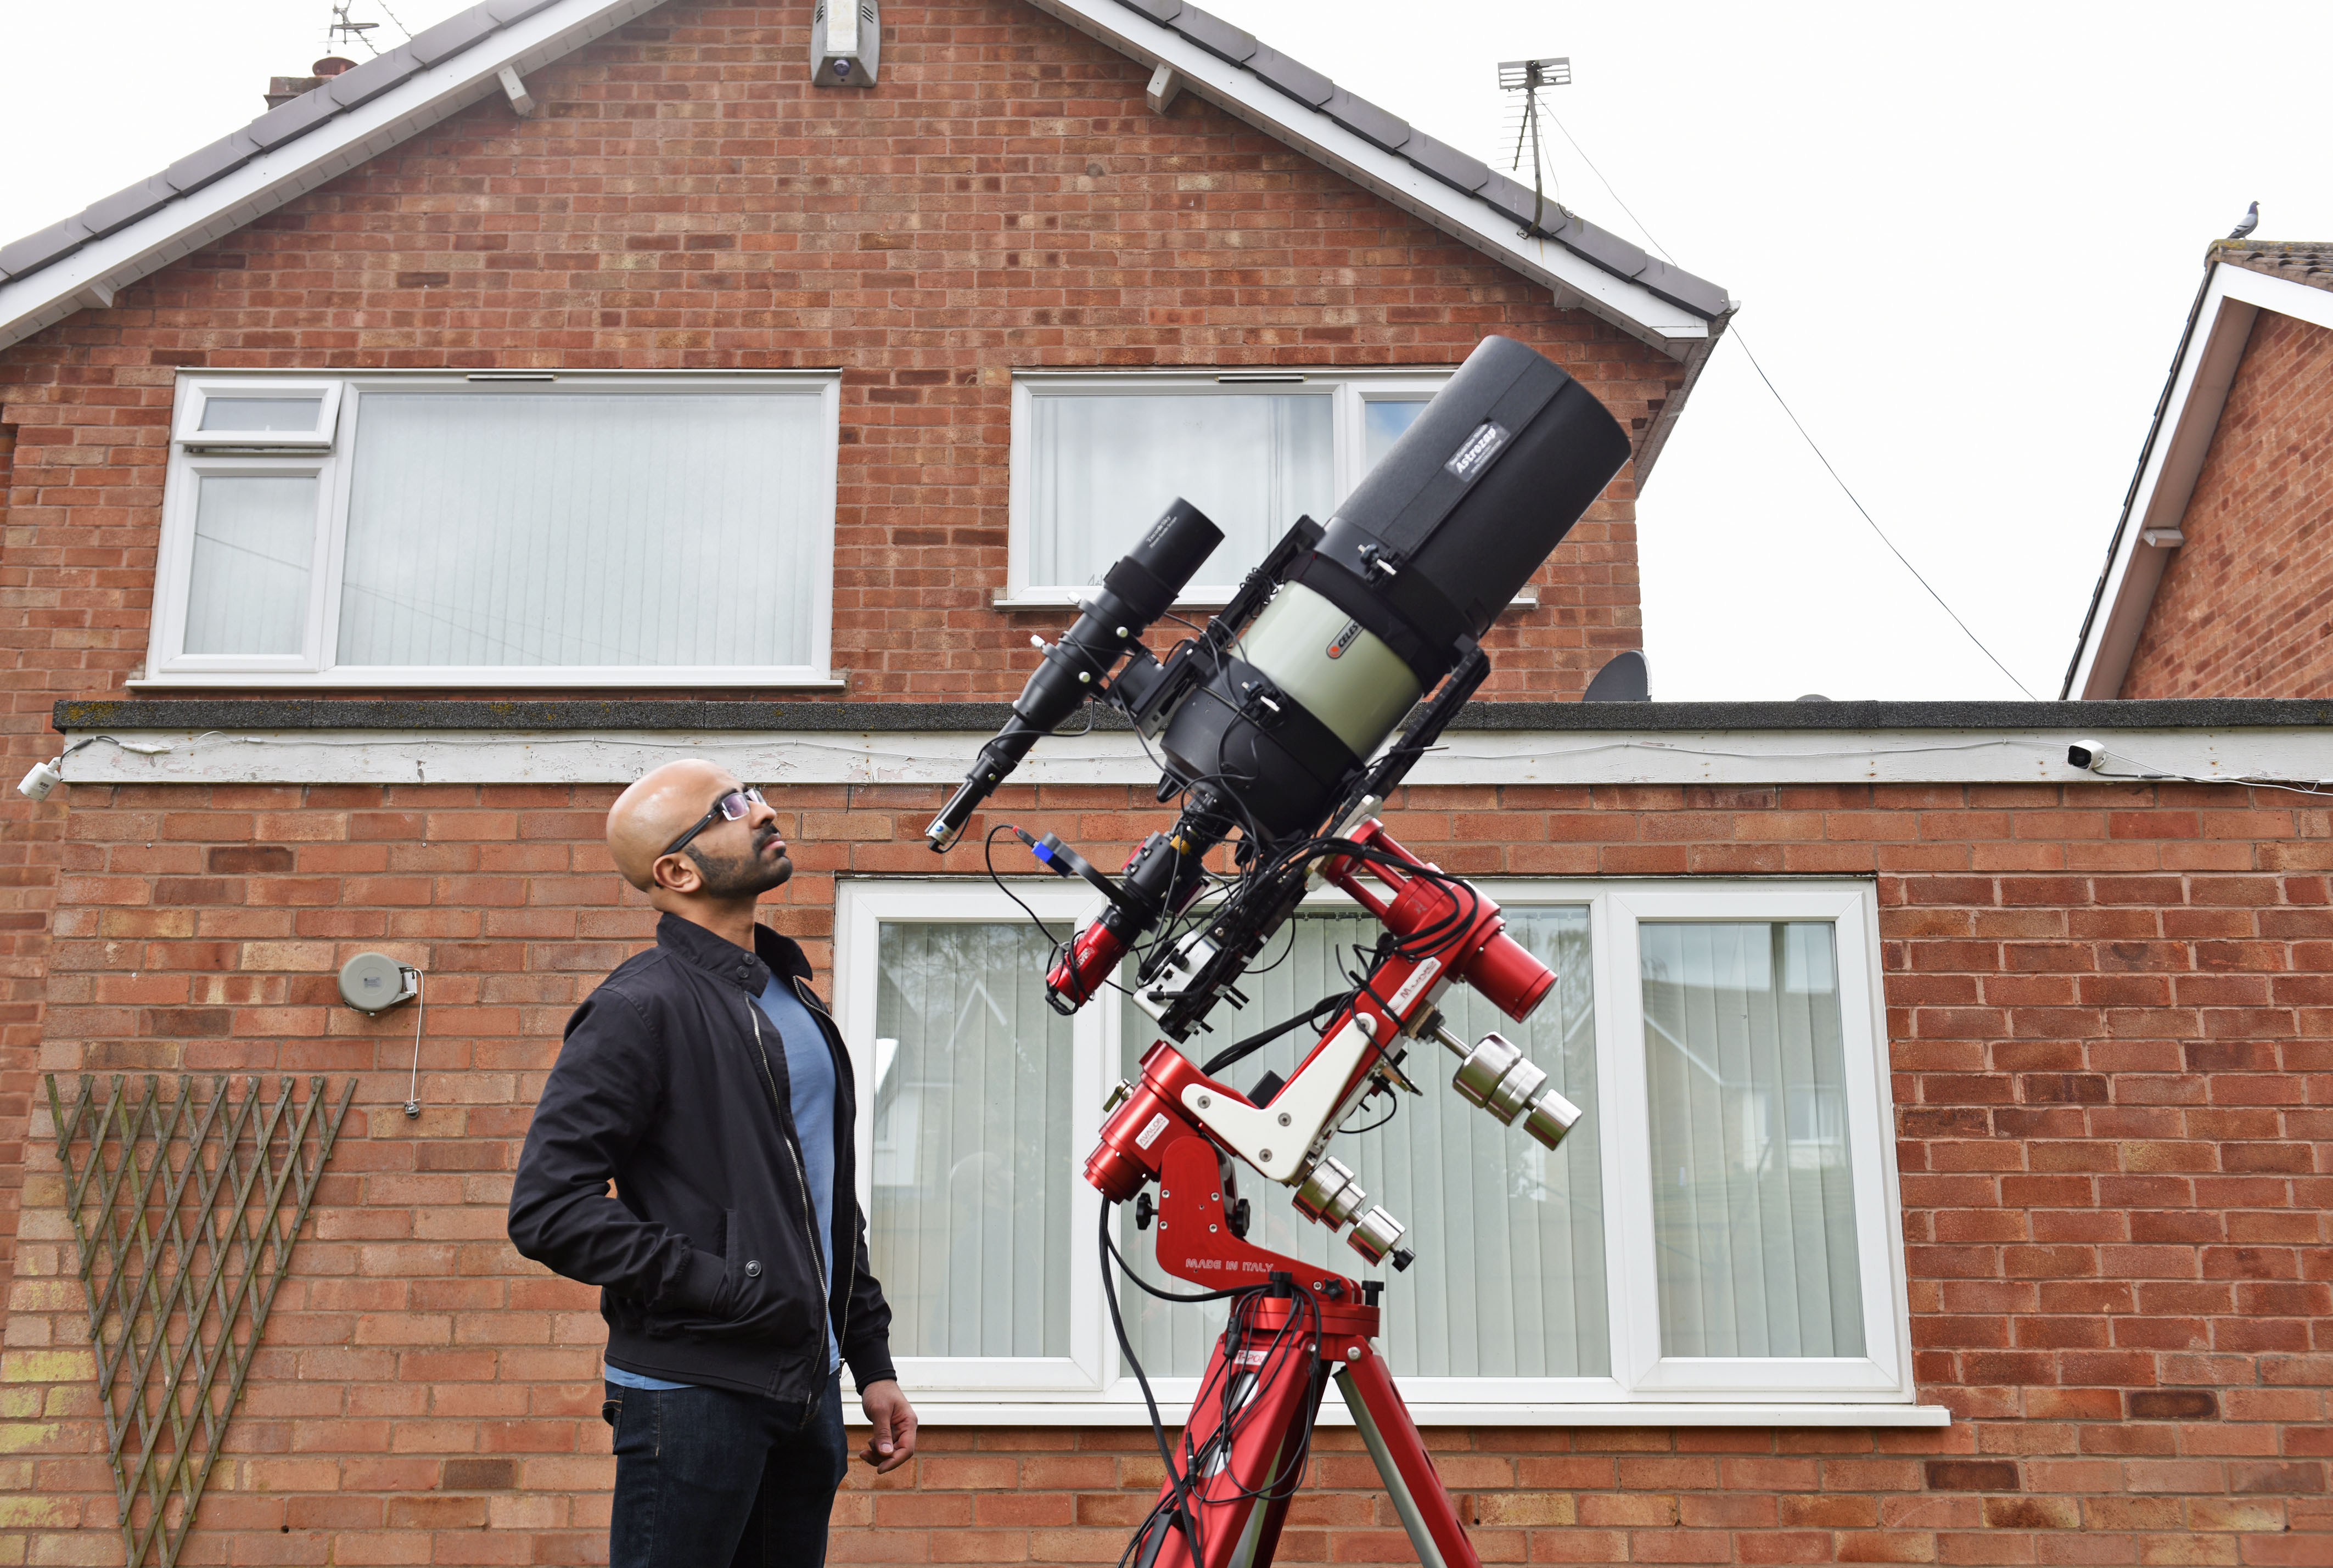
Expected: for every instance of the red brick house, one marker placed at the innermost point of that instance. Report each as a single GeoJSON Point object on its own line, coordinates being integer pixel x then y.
{"type": "Point", "coordinates": [2219, 582]}
{"type": "Point", "coordinates": [1953, 1184]}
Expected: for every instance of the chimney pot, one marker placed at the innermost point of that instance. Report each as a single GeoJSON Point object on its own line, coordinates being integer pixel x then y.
{"type": "Point", "coordinates": [331, 65]}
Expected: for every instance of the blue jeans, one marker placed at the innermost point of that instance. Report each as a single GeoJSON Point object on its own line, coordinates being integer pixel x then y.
{"type": "Point", "coordinates": [706, 1476]}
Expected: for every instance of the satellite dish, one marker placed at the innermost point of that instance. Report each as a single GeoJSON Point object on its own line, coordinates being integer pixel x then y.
{"type": "Point", "coordinates": [1625, 678]}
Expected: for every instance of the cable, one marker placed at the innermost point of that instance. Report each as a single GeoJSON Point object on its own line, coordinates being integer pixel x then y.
{"type": "Point", "coordinates": [413, 1089]}
{"type": "Point", "coordinates": [1801, 429]}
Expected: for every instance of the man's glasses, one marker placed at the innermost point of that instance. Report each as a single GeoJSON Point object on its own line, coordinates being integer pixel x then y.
{"type": "Point", "coordinates": [728, 808]}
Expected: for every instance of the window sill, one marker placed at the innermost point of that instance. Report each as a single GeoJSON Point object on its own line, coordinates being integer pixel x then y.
{"type": "Point", "coordinates": [939, 1411]}
{"type": "Point", "coordinates": [1004, 599]}
{"type": "Point", "coordinates": [518, 678]}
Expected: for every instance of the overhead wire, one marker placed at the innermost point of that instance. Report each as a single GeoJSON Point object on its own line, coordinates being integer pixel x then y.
{"type": "Point", "coordinates": [1796, 423]}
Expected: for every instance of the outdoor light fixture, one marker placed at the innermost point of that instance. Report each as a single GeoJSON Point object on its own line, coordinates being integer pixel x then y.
{"type": "Point", "coordinates": [846, 43]}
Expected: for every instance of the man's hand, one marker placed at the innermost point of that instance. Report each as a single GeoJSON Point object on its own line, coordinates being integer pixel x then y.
{"type": "Point", "coordinates": [893, 1441]}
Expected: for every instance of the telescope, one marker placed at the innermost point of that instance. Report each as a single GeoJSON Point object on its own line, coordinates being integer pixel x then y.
{"type": "Point", "coordinates": [1280, 728]}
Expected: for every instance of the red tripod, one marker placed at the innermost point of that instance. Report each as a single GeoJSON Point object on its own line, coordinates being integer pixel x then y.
{"type": "Point", "coordinates": [1294, 1325]}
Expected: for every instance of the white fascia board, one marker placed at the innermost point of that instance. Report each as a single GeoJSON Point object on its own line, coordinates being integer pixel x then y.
{"type": "Point", "coordinates": [2290, 755]}
{"type": "Point", "coordinates": [2199, 382]}
{"type": "Point", "coordinates": [49, 294]}
{"type": "Point", "coordinates": [1575, 281]}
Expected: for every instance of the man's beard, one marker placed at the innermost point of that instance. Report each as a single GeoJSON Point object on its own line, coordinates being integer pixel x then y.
{"type": "Point", "coordinates": [745, 875]}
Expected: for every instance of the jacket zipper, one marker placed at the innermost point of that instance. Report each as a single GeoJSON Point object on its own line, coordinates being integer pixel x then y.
{"type": "Point", "coordinates": [801, 1180]}
{"type": "Point", "coordinates": [849, 1288]}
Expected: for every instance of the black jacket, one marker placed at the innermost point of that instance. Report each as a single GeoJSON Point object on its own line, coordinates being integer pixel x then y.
{"type": "Point", "coordinates": [672, 1084]}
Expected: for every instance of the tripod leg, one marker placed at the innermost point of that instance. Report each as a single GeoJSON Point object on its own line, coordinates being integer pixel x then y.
{"type": "Point", "coordinates": [1238, 1494]}
{"type": "Point", "coordinates": [1393, 1442]}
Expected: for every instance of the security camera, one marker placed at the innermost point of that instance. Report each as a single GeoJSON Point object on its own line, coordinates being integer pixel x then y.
{"type": "Point", "coordinates": [43, 777]}
{"type": "Point", "coordinates": [2090, 755]}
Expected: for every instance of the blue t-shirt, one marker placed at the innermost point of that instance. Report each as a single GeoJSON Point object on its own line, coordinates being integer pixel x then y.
{"type": "Point", "coordinates": [810, 1087]}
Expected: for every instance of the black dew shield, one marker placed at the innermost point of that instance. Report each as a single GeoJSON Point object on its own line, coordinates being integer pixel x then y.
{"type": "Point", "coordinates": [1477, 492]}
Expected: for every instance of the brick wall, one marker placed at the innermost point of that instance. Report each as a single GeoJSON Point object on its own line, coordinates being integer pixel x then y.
{"type": "Point", "coordinates": [2245, 608]}
{"type": "Point", "coordinates": [682, 198]}
{"type": "Point", "coordinates": [2108, 1009]}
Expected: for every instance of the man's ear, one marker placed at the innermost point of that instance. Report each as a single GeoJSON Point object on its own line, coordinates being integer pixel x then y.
{"type": "Point", "coordinates": [677, 874]}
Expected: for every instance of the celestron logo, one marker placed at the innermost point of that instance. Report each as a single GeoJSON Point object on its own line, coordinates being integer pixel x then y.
{"type": "Point", "coordinates": [1345, 639]}
{"type": "Point", "coordinates": [1478, 451]}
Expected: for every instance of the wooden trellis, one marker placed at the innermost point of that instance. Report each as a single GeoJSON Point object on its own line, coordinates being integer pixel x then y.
{"type": "Point", "coordinates": [186, 1207]}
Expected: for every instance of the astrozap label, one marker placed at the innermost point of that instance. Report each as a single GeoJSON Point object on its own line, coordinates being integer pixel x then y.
{"type": "Point", "coordinates": [1150, 1134]}
{"type": "Point", "coordinates": [1344, 640]}
{"type": "Point", "coordinates": [1477, 450]}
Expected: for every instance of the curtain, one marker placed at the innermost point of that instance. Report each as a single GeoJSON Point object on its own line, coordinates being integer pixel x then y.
{"type": "Point", "coordinates": [1383, 422]}
{"type": "Point", "coordinates": [1508, 1280]}
{"type": "Point", "coordinates": [1106, 467]}
{"type": "Point", "coordinates": [254, 544]}
{"type": "Point", "coordinates": [564, 527]}
{"type": "Point", "coordinates": [1753, 1199]}
{"type": "Point", "coordinates": [971, 1164]}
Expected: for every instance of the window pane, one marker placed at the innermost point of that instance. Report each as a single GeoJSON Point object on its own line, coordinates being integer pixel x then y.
{"type": "Point", "coordinates": [1105, 467]}
{"type": "Point", "coordinates": [260, 414]}
{"type": "Point", "coordinates": [1754, 1211]}
{"type": "Point", "coordinates": [524, 529]}
{"type": "Point", "coordinates": [971, 1165]}
{"type": "Point", "coordinates": [1382, 423]}
{"type": "Point", "coordinates": [1508, 1280]}
{"type": "Point", "coordinates": [255, 538]}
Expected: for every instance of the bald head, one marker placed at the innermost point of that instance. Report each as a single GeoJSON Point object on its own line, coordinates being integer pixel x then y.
{"type": "Point", "coordinates": [660, 807]}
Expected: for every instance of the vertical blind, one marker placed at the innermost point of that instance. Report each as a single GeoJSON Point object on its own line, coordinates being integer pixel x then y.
{"type": "Point", "coordinates": [564, 527]}
{"type": "Point", "coordinates": [255, 546]}
{"type": "Point", "coordinates": [1510, 1236]}
{"type": "Point", "coordinates": [1752, 1201]}
{"type": "Point", "coordinates": [971, 1166]}
{"type": "Point", "coordinates": [1105, 466]}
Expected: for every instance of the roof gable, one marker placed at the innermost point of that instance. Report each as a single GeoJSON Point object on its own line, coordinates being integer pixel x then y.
{"type": "Point", "coordinates": [2240, 281]}
{"type": "Point", "coordinates": [82, 261]}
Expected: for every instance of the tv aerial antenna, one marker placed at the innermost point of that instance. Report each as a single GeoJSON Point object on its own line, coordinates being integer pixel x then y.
{"type": "Point", "coordinates": [341, 31]}
{"type": "Point", "coordinates": [1528, 77]}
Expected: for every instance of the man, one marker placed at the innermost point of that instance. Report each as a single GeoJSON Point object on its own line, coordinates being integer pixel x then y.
{"type": "Point", "coordinates": [706, 1081]}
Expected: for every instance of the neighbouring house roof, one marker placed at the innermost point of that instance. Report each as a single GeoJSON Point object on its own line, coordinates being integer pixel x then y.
{"type": "Point", "coordinates": [81, 262]}
{"type": "Point", "coordinates": [2242, 278]}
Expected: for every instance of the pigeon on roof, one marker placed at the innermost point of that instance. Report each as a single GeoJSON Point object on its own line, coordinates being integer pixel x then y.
{"type": "Point", "coordinates": [2247, 223]}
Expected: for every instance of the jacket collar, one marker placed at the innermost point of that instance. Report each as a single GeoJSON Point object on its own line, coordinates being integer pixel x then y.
{"type": "Point", "coordinates": [720, 957]}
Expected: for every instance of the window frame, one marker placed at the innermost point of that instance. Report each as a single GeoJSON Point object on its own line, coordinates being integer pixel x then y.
{"type": "Point", "coordinates": [1643, 1387]}
{"type": "Point", "coordinates": [194, 393]}
{"type": "Point", "coordinates": [194, 453]}
{"type": "Point", "coordinates": [1876, 1389]}
{"type": "Point", "coordinates": [1351, 388]}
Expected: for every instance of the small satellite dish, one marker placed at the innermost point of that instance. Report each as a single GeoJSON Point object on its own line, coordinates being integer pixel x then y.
{"type": "Point", "coordinates": [1625, 678]}
{"type": "Point", "coordinates": [374, 982]}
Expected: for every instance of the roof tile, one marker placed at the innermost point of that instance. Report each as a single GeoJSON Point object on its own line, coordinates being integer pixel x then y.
{"type": "Point", "coordinates": [1156, 10]}
{"type": "Point", "coordinates": [373, 78]}
{"type": "Point", "coordinates": [1213, 34]}
{"type": "Point", "coordinates": [1366, 120]}
{"type": "Point", "coordinates": [38, 250]}
{"type": "Point", "coordinates": [126, 206]}
{"type": "Point", "coordinates": [2309, 261]}
{"type": "Point", "coordinates": [206, 164]}
{"type": "Point", "coordinates": [1446, 163]}
{"type": "Point", "coordinates": [1293, 77]}
{"type": "Point", "coordinates": [1515, 199]}
{"type": "Point", "coordinates": [295, 119]}
{"type": "Point", "coordinates": [453, 34]}
{"type": "Point", "coordinates": [509, 11]}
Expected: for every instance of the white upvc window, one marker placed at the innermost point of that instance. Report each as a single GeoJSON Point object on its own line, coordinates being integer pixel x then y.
{"type": "Point", "coordinates": [1097, 456]}
{"type": "Point", "coordinates": [1718, 1241]}
{"type": "Point", "coordinates": [498, 528]}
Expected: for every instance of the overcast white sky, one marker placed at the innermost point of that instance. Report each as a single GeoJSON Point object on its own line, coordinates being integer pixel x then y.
{"type": "Point", "coordinates": [1966, 238]}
